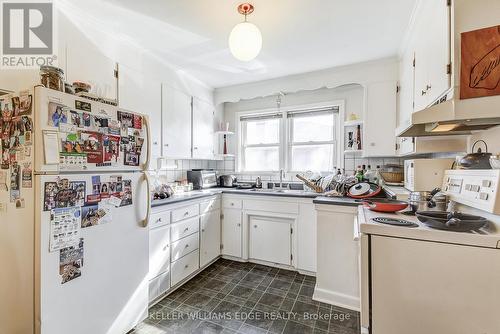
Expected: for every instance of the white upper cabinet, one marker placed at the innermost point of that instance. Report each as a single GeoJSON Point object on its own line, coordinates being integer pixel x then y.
{"type": "Point", "coordinates": [203, 129]}
{"type": "Point", "coordinates": [432, 52]}
{"type": "Point", "coordinates": [143, 95]}
{"type": "Point", "coordinates": [176, 108]}
{"type": "Point", "coordinates": [380, 120]}
{"type": "Point", "coordinates": [406, 87]}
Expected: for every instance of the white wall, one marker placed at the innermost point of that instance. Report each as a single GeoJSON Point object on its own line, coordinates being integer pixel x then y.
{"type": "Point", "coordinates": [88, 51]}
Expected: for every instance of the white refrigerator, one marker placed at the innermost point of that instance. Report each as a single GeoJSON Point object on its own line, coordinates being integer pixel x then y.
{"type": "Point", "coordinates": [74, 206]}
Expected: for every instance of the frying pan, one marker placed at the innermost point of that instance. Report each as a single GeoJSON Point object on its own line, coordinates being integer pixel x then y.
{"type": "Point", "coordinates": [385, 205]}
{"type": "Point", "coordinates": [451, 221]}
{"type": "Point", "coordinates": [364, 190]}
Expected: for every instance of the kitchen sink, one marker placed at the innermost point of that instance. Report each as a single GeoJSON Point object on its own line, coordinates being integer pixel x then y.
{"type": "Point", "coordinates": [283, 191]}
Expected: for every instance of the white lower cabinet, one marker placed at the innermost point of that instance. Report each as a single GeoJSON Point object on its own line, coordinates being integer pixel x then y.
{"type": "Point", "coordinates": [337, 278]}
{"type": "Point", "coordinates": [158, 286]}
{"type": "Point", "coordinates": [270, 240]}
{"type": "Point", "coordinates": [185, 266]}
{"type": "Point", "coordinates": [232, 232]}
{"type": "Point", "coordinates": [159, 251]}
{"type": "Point", "coordinates": [210, 237]}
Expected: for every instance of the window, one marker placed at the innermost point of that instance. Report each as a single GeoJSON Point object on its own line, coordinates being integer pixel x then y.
{"type": "Point", "coordinates": [297, 140]}
{"type": "Point", "coordinates": [311, 144]}
{"type": "Point", "coordinates": [261, 142]}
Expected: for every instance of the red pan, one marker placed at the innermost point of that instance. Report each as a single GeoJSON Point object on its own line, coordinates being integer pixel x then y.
{"type": "Point", "coordinates": [364, 190]}
{"type": "Point", "coordinates": [385, 205]}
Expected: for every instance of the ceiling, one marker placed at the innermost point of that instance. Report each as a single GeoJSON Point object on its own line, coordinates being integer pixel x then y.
{"type": "Point", "coordinates": [298, 35]}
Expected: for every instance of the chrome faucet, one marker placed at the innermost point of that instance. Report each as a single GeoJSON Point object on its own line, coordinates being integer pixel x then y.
{"type": "Point", "coordinates": [282, 175]}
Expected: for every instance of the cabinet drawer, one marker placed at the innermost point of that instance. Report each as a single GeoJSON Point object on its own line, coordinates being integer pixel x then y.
{"type": "Point", "coordinates": [159, 219]}
{"type": "Point", "coordinates": [185, 212]}
{"type": "Point", "coordinates": [184, 228]}
{"type": "Point", "coordinates": [231, 203]}
{"type": "Point", "coordinates": [280, 207]}
{"type": "Point", "coordinates": [184, 246]}
{"type": "Point", "coordinates": [184, 267]}
{"type": "Point", "coordinates": [209, 205]}
{"type": "Point", "coordinates": [159, 286]}
{"type": "Point", "coordinates": [159, 251]}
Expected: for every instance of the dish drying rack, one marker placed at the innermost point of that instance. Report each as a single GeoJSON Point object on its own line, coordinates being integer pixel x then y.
{"type": "Point", "coordinates": [329, 185]}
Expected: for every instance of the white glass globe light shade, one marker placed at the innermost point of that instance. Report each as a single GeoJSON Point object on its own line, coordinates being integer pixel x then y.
{"type": "Point", "coordinates": [245, 41]}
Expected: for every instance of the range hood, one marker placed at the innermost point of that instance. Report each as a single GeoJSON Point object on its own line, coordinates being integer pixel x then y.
{"type": "Point", "coordinates": [452, 116]}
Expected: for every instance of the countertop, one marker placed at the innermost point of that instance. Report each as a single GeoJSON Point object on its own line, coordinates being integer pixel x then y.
{"type": "Point", "coordinates": [484, 238]}
{"type": "Point", "coordinates": [318, 199]}
{"type": "Point", "coordinates": [195, 194]}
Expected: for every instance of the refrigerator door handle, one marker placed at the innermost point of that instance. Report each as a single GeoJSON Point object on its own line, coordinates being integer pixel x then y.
{"type": "Point", "coordinates": [148, 153]}
{"type": "Point", "coordinates": [145, 222]}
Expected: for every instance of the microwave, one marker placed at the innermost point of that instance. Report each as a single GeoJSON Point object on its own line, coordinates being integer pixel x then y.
{"type": "Point", "coordinates": [425, 174]}
{"type": "Point", "coordinates": [202, 179]}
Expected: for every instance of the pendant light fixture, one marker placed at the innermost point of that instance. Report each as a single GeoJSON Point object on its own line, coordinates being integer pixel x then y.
{"type": "Point", "coordinates": [245, 40]}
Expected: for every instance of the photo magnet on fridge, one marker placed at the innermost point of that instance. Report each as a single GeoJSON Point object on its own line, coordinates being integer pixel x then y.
{"type": "Point", "coordinates": [25, 104]}
{"type": "Point", "coordinates": [81, 105]}
{"type": "Point", "coordinates": [71, 262]}
{"type": "Point", "coordinates": [15, 181]}
{"type": "Point", "coordinates": [58, 113]}
{"type": "Point", "coordinates": [49, 196]}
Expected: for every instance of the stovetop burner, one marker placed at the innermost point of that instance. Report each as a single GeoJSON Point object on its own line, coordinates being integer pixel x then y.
{"type": "Point", "coordinates": [393, 221]}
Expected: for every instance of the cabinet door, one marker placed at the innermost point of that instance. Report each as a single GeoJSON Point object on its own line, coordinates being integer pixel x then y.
{"type": "Point", "coordinates": [270, 240]}
{"type": "Point", "coordinates": [176, 109]}
{"type": "Point", "coordinates": [159, 251]}
{"type": "Point", "coordinates": [437, 49]}
{"type": "Point", "coordinates": [231, 233]}
{"type": "Point", "coordinates": [432, 52]}
{"type": "Point", "coordinates": [203, 129]}
{"type": "Point", "coordinates": [210, 237]}
{"type": "Point", "coordinates": [143, 95]}
{"type": "Point", "coordinates": [406, 88]}
{"type": "Point", "coordinates": [380, 120]}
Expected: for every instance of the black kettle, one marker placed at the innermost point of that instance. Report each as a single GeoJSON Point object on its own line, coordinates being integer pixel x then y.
{"type": "Point", "coordinates": [477, 160]}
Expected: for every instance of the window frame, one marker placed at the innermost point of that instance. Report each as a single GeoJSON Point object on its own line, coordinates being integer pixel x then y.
{"type": "Point", "coordinates": [290, 143]}
{"type": "Point", "coordinates": [285, 139]}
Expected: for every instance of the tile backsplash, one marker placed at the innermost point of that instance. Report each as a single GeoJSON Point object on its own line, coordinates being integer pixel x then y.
{"type": "Point", "coordinates": [228, 166]}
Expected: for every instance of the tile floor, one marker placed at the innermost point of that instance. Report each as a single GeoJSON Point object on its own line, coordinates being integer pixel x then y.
{"type": "Point", "coordinates": [234, 297]}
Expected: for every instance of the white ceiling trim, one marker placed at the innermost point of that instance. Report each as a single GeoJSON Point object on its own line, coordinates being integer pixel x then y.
{"type": "Point", "coordinates": [362, 73]}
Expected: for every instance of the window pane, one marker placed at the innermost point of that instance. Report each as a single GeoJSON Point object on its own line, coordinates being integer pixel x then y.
{"type": "Point", "coordinates": [262, 158]}
{"type": "Point", "coordinates": [312, 157]}
{"type": "Point", "coordinates": [266, 131]}
{"type": "Point", "coordinates": [313, 128]}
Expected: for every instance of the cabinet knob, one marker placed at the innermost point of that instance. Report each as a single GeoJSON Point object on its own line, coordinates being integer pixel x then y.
{"type": "Point", "coordinates": [428, 87]}
{"type": "Point", "coordinates": [255, 226]}
{"type": "Point", "coordinates": [186, 229]}
{"type": "Point", "coordinates": [372, 144]}
{"type": "Point", "coordinates": [166, 145]}
{"type": "Point", "coordinates": [238, 224]}
{"type": "Point", "coordinates": [187, 245]}
{"type": "Point", "coordinates": [232, 204]}
{"type": "Point", "coordinates": [186, 213]}
{"type": "Point", "coordinates": [165, 248]}
{"type": "Point", "coordinates": [202, 230]}
{"type": "Point", "coordinates": [424, 92]}
{"type": "Point", "coordinates": [195, 148]}
{"type": "Point", "coordinates": [155, 143]}
{"type": "Point", "coordinates": [186, 266]}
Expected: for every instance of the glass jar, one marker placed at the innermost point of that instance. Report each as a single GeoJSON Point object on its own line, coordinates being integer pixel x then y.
{"type": "Point", "coordinates": [52, 77]}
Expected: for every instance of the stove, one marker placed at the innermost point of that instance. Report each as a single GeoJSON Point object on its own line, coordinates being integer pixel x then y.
{"type": "Point", "coordinates": [394, 222]}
